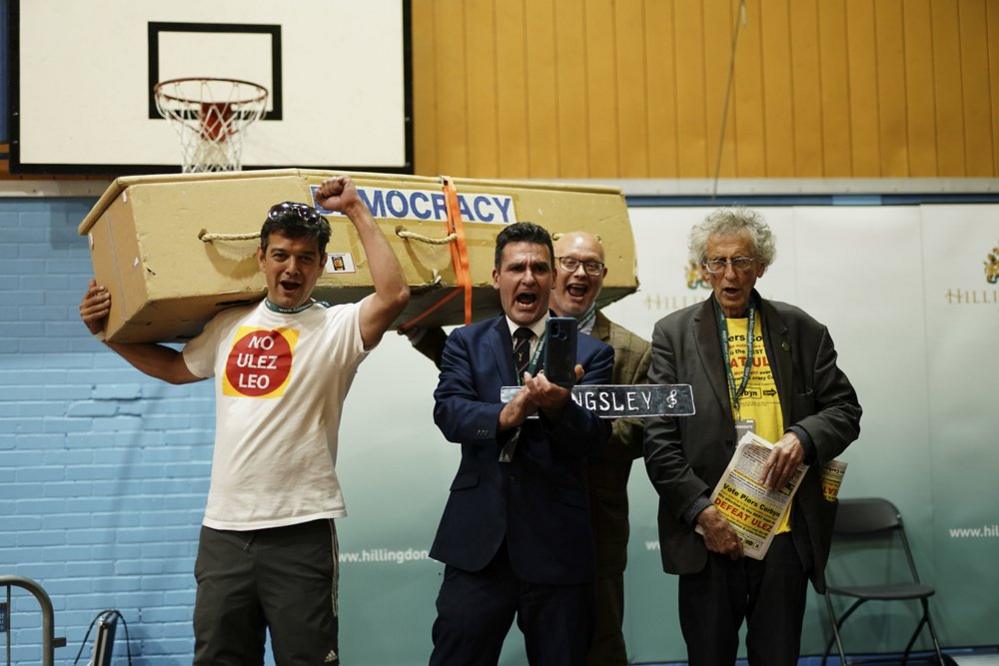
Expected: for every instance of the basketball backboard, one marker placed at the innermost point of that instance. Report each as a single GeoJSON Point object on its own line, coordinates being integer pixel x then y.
{"type": "Point", "coordinates": [337, 71]}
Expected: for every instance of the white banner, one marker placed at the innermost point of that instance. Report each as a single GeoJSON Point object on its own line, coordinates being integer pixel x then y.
{"type": "Point", "coordinates": [905, 294]}
{"type": "Point", "coordinates": [903, 291]}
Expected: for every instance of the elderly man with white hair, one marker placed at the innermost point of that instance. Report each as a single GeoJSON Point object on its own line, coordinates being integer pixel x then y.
{"type": "Point", "coordinates": [753, 364]}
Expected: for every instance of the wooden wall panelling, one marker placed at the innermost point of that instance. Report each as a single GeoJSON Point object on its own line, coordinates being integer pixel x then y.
{"type": "Point", "coordinates": [573, 112]}
{"type": "Point", "coordinates": [660, 72]}
{"type": "Point", "coordinates": [545, 80]}
{"type": "Point", "coordinates": [718, 27]}
{"type": "Point", "coordinates": [920, 102]}
{"type": "Point", "coordinates": [424, 43]}
{"type": "Point", "coordinates": [863, 70]}
{"type": "Point", "coordinates": [480, 74]}
{"type": "Point", "coordinates": [992, 13]}
{"type": "Point", "coordinates": [748, 97]}
{"type": "Point", "coordinates": [636, 88]}
{"type": "Point", "coordinates": [511, 90]}
{"type": "Point", "coordinates": [890, 52]}
{"type": "Point", "coordinates": [632, 123]}
{"type": "Point", "coordinates": [807, 88]}
{"type": "Point", "coordinates": [452, 87]}
{"type": "Point", "coordinates": [690, 128]}
{"type": "Point", "coordinates": [778, 112]}
{"type": "Point", "coordinates": [947, 88]}
{"type": "Point", "coordinates": [601, 88]}
{"type": "Point", "coordinates": [978, 120]}
{"type": "Point", "coordinates": [833, 71]}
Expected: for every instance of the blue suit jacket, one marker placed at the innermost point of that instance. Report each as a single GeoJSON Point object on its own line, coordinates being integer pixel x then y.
{"type": "Point", "coordinates": [538, 501]}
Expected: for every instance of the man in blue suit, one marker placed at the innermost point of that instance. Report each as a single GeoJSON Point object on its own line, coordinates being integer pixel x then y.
{"type": "Point", "coordinates": [515, 534]}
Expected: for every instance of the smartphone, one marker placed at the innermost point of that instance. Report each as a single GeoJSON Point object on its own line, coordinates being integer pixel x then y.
{"type": "Point", "coordinates": [560, 351]}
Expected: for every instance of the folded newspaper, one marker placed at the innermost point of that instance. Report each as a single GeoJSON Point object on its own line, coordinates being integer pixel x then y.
{"type": "Point", "coordinates": [753, 510]}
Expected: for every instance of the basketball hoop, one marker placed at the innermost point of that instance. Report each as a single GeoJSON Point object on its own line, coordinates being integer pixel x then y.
{"type": "Point", "coordinates": [210, 115]}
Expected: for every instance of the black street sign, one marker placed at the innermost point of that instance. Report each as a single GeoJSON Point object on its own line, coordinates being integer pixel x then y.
{"type": "Point", "coordinates": [641, 401]}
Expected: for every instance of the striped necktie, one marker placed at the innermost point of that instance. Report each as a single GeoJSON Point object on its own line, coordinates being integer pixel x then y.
{"type": "Point", "coordinates": [522, 350]}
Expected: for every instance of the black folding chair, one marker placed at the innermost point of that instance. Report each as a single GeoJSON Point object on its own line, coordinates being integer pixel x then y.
{"type": "Point", "coordinates": [872, 520]}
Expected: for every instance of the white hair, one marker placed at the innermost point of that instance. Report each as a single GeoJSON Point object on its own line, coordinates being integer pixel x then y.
{"type": "Point", "coordinates": [734, 222]}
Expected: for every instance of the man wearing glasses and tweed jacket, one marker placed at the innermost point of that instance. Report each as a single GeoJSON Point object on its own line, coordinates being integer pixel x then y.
{"type": "Point", "coordinates": [267, 556]}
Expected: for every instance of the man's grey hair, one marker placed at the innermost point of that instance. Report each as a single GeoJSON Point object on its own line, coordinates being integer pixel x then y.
{"type": "Point", "coordinates": [734, 222]}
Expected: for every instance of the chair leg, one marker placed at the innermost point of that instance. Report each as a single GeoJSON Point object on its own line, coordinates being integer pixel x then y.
{"type": "Point", "coordinates": [912, 640]}
{"type": "Point", "coordinates": [924, 620]}
{"type": "Point", "coordinates": [933, 633]}
{"type": "Point", "coordinates": [836, 624]}
{"type": "Point", "coordinates": [835, 636]}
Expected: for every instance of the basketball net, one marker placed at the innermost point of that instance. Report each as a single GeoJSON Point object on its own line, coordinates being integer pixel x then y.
{"type": "Point", "coordinates": [210, 116]}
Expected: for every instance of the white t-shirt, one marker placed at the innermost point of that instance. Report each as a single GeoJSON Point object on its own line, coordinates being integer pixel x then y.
{"type": "Point", "coordinates": [280, 383]}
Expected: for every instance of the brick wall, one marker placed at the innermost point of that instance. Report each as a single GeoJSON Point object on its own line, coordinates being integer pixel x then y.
{"type": "Point", "coordinates": [103, 471]}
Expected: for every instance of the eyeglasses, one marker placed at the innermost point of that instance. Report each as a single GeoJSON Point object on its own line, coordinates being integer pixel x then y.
{"type": "Point", "coordinates": [302, 211]}
{"type": "Point", "coordinates": [592, 268]}
{"type": "Point", "coordinates": [741, 264]}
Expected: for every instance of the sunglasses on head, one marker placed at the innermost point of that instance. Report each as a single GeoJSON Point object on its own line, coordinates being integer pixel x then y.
{"type": "Point", "coordinates": [304, 212]}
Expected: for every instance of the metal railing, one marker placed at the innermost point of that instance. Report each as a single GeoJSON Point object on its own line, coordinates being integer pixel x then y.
{"type": "Point", "coordinates": [49, 640]}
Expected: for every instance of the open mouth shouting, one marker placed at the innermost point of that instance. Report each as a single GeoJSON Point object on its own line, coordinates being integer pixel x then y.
{"type": "Point", "coordinates": [289, 292]}
{"type": "Point", "coordinates": [577, 290]}
{"type": "Point", "coordinates": [574, 297]}
{"type": "Point", "coordinates": [527, 306]}
{"type": "Point", "coordinates": [290, 286]}
{"type": "Point", "coordinates": [526, 300]}
{"type": "Point", "coordinates": [523, 277]}
{"type": "Point", "coordinates": [733, 300]}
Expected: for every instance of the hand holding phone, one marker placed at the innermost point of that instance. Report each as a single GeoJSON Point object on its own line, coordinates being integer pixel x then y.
{"type": "Point", "coordinates": [560, 351]}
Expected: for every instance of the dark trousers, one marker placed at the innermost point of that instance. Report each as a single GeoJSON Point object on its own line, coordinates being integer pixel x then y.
{"type": "Point", "coordinates": [475, 612]}
{"type": "Point", "coordinates": [607, 648]}
{"type": "Point", "coordinates": [769, 595]}
{"type": "Point", "coordinates": [284, 579]}
{"type": "Point", "coordinates": [607, 483]}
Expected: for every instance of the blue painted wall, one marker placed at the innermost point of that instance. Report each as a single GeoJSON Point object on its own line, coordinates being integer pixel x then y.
{"type": "Point", "coordinates": [4, 72]}
{"type": "Point", "coordinates": [103, 472]}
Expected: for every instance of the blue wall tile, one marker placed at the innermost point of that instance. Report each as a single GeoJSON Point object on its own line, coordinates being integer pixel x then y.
{"type": "Point", "coordinates": [103, 471]}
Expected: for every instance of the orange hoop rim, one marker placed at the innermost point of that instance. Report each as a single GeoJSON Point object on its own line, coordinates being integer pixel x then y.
{"type": "Point", "coordinates": [159, 92]}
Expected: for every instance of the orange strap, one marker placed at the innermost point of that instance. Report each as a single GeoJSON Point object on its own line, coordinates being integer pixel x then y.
{"type": "Point", "coordinates": [415, 321]}
{"type": "Point", "coordinates": [459, 248]}
{"type": "Point", "coordinates": [459, 259]}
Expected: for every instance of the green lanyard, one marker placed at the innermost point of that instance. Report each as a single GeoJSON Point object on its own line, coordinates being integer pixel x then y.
{"type": "Point", "coordinates": [587, 319]}
{"type": "Point", "coordinates": [274, 307]}
{"type": "Point", "coordinates": [736, 395]}
{"type": "Point", "coordinates": [532, 365]}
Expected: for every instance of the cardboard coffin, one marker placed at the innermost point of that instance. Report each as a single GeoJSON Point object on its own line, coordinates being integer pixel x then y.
{"type": "Point", "coordinates": [149, 246]}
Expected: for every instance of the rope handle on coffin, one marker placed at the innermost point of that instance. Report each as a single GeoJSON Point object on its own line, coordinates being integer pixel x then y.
{"type": "Point", "coordinates": [455, 238]}
{"type": "Point", "coordinates": [412, 235]}
{"type": "Point", "coordinates": [459, 257]}
{"type": "Point", "coordinates": [206, 236]}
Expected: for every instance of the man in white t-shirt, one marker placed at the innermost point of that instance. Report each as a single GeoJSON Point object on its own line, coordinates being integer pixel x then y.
{"type": "Point", "coordinates": [267, 556]}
